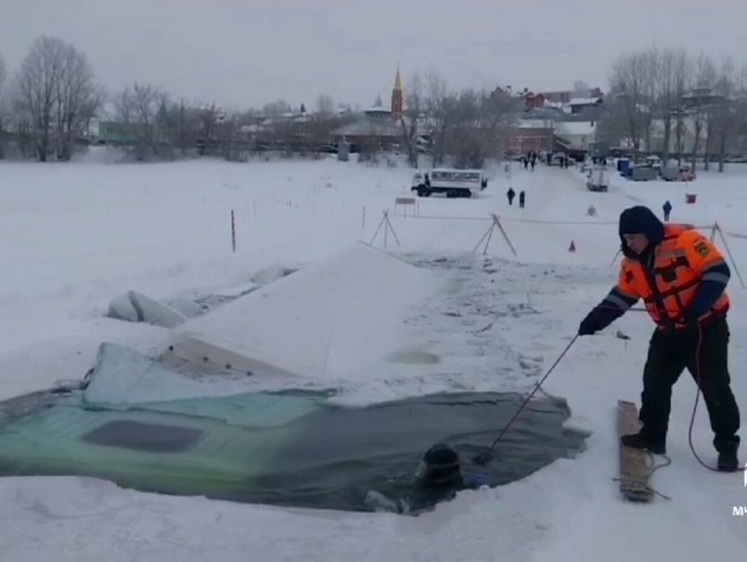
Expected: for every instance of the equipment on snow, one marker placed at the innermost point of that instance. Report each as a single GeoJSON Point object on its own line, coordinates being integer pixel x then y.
{"type": "Point", "coordinates": [634, 470]}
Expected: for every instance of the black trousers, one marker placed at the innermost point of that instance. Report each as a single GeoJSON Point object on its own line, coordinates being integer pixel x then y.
{"type": "Point", "coordinates": [704, 354]}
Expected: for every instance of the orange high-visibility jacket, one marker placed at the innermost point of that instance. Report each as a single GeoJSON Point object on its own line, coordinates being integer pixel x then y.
{"type": "Point", "coordinates": [668, 288]}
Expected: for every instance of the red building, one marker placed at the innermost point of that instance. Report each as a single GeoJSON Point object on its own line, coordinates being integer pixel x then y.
{"type": "Point", "coordinates": [534, 101]}
{"type": "Point", "coordinates": [529, 139]}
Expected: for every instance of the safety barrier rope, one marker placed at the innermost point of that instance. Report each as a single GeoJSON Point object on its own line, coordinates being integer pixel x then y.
{"type": "Point", "coordinates": [538, 221]}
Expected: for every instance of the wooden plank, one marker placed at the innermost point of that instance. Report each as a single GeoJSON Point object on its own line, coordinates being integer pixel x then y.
{"type": "Point", "coordinates": [634, 469]}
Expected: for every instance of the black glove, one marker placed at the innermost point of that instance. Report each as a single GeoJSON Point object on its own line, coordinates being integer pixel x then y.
{"type": "Point", "coordinates": [691, 321]}
{"type": "Point", "coordinates": [594, 321]}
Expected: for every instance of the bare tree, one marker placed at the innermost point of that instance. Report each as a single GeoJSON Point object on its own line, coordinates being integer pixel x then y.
{"type": "Point", "coordinates": [276, 109]}
{"type": "Point", "coordinates": [649, 67]}
{"type": "Point", "coordinates": [411, 120]}
{"type": "Point", "coordinates": [3, 105]}
{"type": "Point", "coordinates": [481, 121]}
{"type": "Point", "coordinates": [682, 78]}
{"type": "Point", "coordinates": [184, 125]}
{"type": "Point", "coordinates": [440, 108]}
{"type": "Point", "coordinates": [325, 105]}
{"type": "Point", "coordinates": [179, 116]}
{"type": "Point", "coordinates": [580, 88]}
{"type": "Point", "coordinates": [3, 75]}
{"type": "Point", "coordinates": [37, 89]}
{"type": "Point", "coordinates": [55, 96]}
{"type": "Point", "coordinates": [672, 81]}
{"type": "Point", "coordinates": [741, 111]}
{"type": "Point", "coordinates": [499, 115]}
{"type": "Point", "coordinates": [78, 98]}
{"type": "Point", "coordinates": [704, 78]}
{"type": "Point", "coordinates": [725, 111]}
{"type": "Point", "coordinates": [627, 84]}
{"type": "Point", "coordinates": [613, 127]}
{"type": "Point", "coordinates": [208, 117]}
{"type": "Point", "coordinates": [140, 108]}
{"type": "Point", "coordinates": [463, 142]}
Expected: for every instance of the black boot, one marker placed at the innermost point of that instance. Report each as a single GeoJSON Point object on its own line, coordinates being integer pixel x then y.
{"type": "Point", "coordinates": [642, 441]}
{"type": "Point", "coordinates": [727, 448]}
{"type": "Point", "coordinates": [727, 460]}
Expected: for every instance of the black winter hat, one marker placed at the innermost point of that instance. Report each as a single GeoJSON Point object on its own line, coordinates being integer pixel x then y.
{"type": "Point", "coordinates": [641, 220]}
{"type": "Point", "coordinates": [441, 456]}
{"type": "Point", "coordinates": [439, 467]}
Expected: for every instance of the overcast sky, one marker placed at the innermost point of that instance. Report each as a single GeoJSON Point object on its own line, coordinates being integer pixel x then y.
{"type": "Point", "coordinates": [244, 53]}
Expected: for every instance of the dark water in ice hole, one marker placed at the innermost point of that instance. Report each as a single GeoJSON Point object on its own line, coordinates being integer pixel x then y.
{"type": "Point", "coordinates": [332, 458]}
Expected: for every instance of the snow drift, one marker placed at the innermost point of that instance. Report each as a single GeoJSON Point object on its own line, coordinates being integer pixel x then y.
{"type": "Point", "coordinates": [136, 307]}
{"type": "Point", "coordinates": [332, 319]}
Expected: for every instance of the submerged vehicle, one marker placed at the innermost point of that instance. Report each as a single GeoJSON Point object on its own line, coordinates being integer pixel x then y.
{"type": "Point", "coordinates": [142, 426]}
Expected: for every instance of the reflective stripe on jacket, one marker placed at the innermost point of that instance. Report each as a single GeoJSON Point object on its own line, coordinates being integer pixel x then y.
{"type": "Point", "coordinates": [669, 282]}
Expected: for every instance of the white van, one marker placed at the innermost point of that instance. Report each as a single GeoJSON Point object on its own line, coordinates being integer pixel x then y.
{"type": "Point", "coordinates": [452, 182]}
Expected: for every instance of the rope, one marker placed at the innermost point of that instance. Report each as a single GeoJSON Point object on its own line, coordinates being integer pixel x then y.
{"type": "Point", "coordinates": [510, 219]}
{"type": "Point", "coordinates": [483, 219]}
{"type": "Point", "coordinates": [538, 221]}
{"type": "Point", "coordinates": [668, 461]}
{"type": "Point", "coordinates": [698, 360]}
{"type": "Point", "coordinates": [654, 468]}
{"type": "Point", "coordinates": [483, 457]}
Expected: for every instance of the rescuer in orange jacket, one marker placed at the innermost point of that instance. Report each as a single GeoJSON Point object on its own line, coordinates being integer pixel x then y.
{"type": "Point", "coordinates": [681, 277]}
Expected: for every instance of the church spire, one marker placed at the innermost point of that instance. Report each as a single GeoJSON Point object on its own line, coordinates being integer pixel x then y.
{"type": "Point", "coordinates": [398, 97]}
{"type": "Point", "coordinates": [398, 81]}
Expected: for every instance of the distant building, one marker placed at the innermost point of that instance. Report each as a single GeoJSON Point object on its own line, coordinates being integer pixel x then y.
{"type": "Point", "coordinates": [119, 133]}
{"type": "Point", "coordinates": [568, 101]}
{"type": "Point", "coordinates": [534, 101]}
{"type": "Point", "coordinates": [560, 97]}
{"type": "Point", "coordinates": [529, 136]}
{"type": "Point", "coordinates": [577, 105]}
{"type": "Point", "coordinates": [377, 127]}
{"type": "Point", "coordinates": [577, 135]}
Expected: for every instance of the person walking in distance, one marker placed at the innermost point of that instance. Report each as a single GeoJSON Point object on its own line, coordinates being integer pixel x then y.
{"type": "Point", "coordinates": [667, 208]}
{"type": "Point", "coordinates": [521, 198]}
{"type": "Point", "coordinates": [681, 277]}
{"type": "Point", "coordinates": [510, 194]}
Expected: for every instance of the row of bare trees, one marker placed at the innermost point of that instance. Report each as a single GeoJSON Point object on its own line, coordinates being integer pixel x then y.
{"type": "Point", "coordinates": [467, 125]}
{"type": "Point", "coordinates": [49, 102]}
{"type": "Point", "coordinates": [676, 104]}
{"type": "Point", "coordinates": [152, 123]}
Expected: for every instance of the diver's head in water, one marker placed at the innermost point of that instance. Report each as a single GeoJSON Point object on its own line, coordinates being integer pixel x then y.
{"type": "Point", "coordinates": [439, 468]}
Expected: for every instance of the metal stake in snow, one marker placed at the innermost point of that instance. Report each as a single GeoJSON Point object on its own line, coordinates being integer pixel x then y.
{"type": "Point", "coordinates": [233, 232]}
{"type": "Point", "coordinates": [387, 228]}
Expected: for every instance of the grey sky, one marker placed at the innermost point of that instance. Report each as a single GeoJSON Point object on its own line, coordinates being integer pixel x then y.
{"type": "Point", "coordinates": [244, 53]}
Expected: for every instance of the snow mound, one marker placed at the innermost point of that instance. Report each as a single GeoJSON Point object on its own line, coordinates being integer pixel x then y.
{"type": "Point", "coordinates": [136, 307]}
{"type": "Point", "coordinates": [270, 274]}
{"type": "Point", "coordinates": [332, 319]}
{"type": "Point", "coordinates": [188, 308]}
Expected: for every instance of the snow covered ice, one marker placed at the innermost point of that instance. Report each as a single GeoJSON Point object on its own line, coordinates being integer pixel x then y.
{"type": "Point", "coordinates": [76, 236]}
